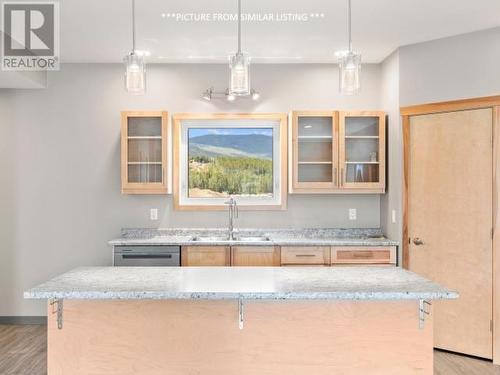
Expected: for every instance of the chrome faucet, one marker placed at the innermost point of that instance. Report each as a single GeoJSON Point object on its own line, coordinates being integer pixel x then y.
{"type": "Point", "coordinates": [233, 214]}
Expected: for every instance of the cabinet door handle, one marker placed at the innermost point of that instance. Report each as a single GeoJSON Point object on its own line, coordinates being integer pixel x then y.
{"type": "Point", "coordinates": [341, 176]}
{"type": "Point", "coordinates": [305, 255]}
{"type": "Point", "coordinates": [365, 254]}
{"type": "Point", "coordinates": [335, 174]}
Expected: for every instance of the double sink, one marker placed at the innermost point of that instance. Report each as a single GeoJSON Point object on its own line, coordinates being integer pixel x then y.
{"type": "Point", "coordinates": [227, 239]}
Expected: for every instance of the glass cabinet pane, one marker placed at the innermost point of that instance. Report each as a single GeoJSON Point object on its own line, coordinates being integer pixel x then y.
{"type": "Point", "coordinates": [362, 173]}
{"type": "Point", "coordinates": [320, 126]}
{"type": "Point", "coordinates": [144, 173]}
{"type": "Point", "coordinates": [362, 149]}
{"type": "Point", "coordinates": [315, 173]}
{"type": "Point", "coordinates": [144, 149]}
{"type": "Point", "coordinates": [315, 148]}
{"type": "Point", "coordinates": [361, 126]}
{"type": "Point", "coordinates": [144, 126]}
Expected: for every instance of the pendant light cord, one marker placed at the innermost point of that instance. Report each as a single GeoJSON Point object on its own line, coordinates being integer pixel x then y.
{"type": "Point", "coordinates": [133, 26]}
{"type": "Point", "coordinates": [239, 26]}
{"type": "Point", "coordinates": [349, 24]}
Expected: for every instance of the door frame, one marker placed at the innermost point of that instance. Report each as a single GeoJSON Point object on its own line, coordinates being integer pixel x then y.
{"type": "Point", "coordinates": [492, 102]}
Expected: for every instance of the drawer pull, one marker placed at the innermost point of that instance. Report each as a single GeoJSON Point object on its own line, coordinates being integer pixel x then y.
{"type": "Point", "coordinates": [305, 255]}
{"type": "Point", "coordinates": [363, 255]}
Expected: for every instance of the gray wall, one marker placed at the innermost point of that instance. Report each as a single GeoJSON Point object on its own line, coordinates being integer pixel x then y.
{"type": "Point", "coordinates": [60, 190]}
{"type": "Point", "coordinates": [390, 104]}
{"type": "Point", "coordinates": [464, 66]}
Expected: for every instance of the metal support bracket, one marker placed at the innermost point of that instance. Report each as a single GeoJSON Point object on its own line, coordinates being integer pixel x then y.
{"type": "Point", "coordinates": [240, 313]}
{"type": "Point", "coordinates": [58, 310]}
{"type": "Point", "coordinates": [424, 308]}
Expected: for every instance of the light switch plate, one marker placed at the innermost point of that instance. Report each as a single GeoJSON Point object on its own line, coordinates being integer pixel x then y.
{"type": "Point", "coordinates": [153, 214]}
{"type": "Point", "coordinates": [393, 216]}
{"type": "Point", "coordinates": [353, 214]}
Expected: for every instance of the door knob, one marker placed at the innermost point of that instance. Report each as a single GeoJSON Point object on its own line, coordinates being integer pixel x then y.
{"type": "Point", "coordinates": [417, 241]}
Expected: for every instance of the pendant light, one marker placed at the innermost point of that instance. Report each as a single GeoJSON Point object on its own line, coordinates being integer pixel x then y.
{"type": "Point", "coordinates": [135, 66]}
{"type": "Point", "coordinates": [239, 83]}
{"type": "Point", "coordinates": [349, 65]}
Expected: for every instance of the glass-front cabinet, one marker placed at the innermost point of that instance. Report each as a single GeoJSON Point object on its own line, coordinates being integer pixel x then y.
{"type": "Point", "coordinates": [144, 152]}
{"type": "Point", "coordinates": [362, 150]}
{"type": "Point", "coordinates": [315, 151]}
{"type": "Point", "coordinates": [335, 152]}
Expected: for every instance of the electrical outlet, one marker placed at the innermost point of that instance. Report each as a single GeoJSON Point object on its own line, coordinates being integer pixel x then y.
{"type": "Point", "coordinates": [353, 214]}
{"type": "Point", "coordinates": [393, 216]}
{"type": "Point", "coordinates": [153, 214]}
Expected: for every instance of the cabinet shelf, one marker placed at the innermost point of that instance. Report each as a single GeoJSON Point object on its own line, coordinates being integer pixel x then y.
{"type": "Point", "coordinates": [315, 138]}
{"type": "Point", "coordinates": [144, 137]}
{"type": "Point", "coordinates": [362, 162]}
{"type": "Point", "coordinates": [362, 137]}
{"type": "Point", "coordinates": [144, 163]}
{"type": "Point", "coordinates": [314, 162]}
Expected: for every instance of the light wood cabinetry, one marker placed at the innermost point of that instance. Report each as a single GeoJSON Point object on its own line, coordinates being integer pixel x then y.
{"type": "Point", "coordinates": [363, 255]}
{"type": "Point", "coordinates": [203, 337]}
{"type": "Point", "coordinates": [315, 151]}
{"type": "Point", "coordinates": [144, 152]}
{"type": "Point", "coordinates": [305, 255]}
{"type": "Point", "coordinates": [205, 256]}
{"type": "Point", "coordinates": [362, 151]}
{"type": "Point", "coordinates": [338, 152]}
{"type": "Point", "coordinates": [255, 256]}
{"type": "Point", "coordinates": [286, 255]}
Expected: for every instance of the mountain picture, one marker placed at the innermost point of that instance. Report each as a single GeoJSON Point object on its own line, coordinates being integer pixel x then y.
{"type": "Point", "coordinates": [230, 161]}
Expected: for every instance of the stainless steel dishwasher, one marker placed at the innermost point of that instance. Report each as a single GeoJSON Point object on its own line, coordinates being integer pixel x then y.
{"type": "Point", "coordinates": [147, 256]}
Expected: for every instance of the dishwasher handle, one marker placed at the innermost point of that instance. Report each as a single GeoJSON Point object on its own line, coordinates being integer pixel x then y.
{"type": "Point", "coordinates": [146, 256]}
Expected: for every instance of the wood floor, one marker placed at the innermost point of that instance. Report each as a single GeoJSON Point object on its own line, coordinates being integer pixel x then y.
{"type": "Point", "coordinates": [23, 352]}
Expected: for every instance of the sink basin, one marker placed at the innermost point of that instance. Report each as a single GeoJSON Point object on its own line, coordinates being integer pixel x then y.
{"type": "Point", "coordinates": [252, 238]}
{"type": "Point", "coordinates": [226, 238]}
{"type": "Point", "coordinates": [210, 238]}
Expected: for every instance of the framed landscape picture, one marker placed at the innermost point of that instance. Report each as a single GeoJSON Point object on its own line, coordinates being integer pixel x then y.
{"type": "Point", "coordinates": [221, 156]}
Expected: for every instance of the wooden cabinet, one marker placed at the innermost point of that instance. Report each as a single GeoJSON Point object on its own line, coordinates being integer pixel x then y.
{"type": "Point", "coordinates": [286, 255]}
{"type": "Point", "coordinates": [315, 151]}
{"type": "Point", "coordinates": [255, 256]}
{"type": "Point", "coordinates": [362, 151]}
{"type": "Point", "coordinates": [305, 255]}
{"type": "Point", "coordinates": [363, 255]}
{"type": "Point", "coordinates": [144, 152]}
{"type": "Point", "coordinates": [205, 256]}
{"type": "Point", "coordinates": [338, 152]}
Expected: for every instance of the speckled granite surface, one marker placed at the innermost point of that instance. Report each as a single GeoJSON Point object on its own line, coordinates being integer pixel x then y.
{"type": "Point", "coordinates": [283, 237]}
{"type": "Point", "coordinates": [309, 283]}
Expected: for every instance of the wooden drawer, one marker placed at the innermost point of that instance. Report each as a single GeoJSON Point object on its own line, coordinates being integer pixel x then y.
{"type": "Point", "coordinates": [309, 255]}
{"type": "Point", "coordinates": [205, 256]}
{"type": "Point", "coordinates": [364, 255]}
{"type": "Point", "coordinates": [255, 256]}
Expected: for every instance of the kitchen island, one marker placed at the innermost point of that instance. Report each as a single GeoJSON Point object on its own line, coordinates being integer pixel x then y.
{"type": "Point", "coordinates": [226, 321]}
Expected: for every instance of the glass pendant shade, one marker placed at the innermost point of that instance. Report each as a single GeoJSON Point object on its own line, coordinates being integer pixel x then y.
{"type": "Point", "coordinates": [349, 73]}
{"type": "Point", "coordinates": [135, 73]}
{"type": "Point", "coordinates": [240, 78]}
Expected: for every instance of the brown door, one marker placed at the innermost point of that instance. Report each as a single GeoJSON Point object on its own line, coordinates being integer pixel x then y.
{"type": "Point", "coordinates": [450, 222]}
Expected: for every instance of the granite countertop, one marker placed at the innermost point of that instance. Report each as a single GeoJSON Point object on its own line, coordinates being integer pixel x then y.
{"type": "Point", "coordinates": [281, 237]}
{"type": "Point", "coordinates": [272, 283]}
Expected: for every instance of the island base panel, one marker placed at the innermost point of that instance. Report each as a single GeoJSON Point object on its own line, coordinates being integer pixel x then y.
{"type": "Point", "coordinates": [153, 337]}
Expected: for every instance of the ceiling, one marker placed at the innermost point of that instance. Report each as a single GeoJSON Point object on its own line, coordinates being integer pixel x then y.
{"type": "Point", "coordinates": [100, 30]}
